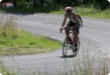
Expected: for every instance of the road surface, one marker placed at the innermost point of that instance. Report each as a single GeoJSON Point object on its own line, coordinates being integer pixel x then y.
{"type": "Point", "coordinates": [94, 36]}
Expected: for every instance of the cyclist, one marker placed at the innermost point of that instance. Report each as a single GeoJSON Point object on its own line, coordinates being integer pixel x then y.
{"type": "Point", "coordinates": [74, 22]}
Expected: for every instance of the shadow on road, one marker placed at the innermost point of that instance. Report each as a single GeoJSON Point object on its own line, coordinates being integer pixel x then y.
{"type": "Point", "coordinates": [68, 56]}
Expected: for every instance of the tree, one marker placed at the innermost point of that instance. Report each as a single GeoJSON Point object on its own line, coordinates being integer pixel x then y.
{"type": "Point", "coordinates": [41, 2]}
{"type": "Point", "coordinates": [103, 4]}
{"type": "Point", "coordinates": [34, 3]}
{"type": "Point", "coordinates": [38, 3]}
{"type": "Point", "coordinates": [14, 2]}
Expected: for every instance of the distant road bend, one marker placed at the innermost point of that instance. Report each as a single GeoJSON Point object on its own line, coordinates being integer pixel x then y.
{"type": "Point", "coordinates": [94, 37]}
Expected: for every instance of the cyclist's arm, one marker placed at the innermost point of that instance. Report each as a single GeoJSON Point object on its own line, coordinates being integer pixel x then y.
{"type": "Point", "coordinates": [80, 19]}
{"type": "Point", "coordinates": [75, 19]}
{"type": "Point", "coordinates": [64, 21]}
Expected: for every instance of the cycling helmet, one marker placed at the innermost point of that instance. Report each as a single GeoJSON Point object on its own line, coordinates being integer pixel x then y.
{"type": "Point", "coordinates": [68, 8]}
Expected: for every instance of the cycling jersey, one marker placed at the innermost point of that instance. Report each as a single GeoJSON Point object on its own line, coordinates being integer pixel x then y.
{"type": "Point", "coordinates": [70, 16]}
{"type": "Point", "coordinates": [72, 22]}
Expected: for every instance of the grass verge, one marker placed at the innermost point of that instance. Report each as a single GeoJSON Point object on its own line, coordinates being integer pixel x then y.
{"type": "Point", "coordinates": [93, 12]}
{"type": "Point", "coordinates": [88, 12]}
{"type": "Point", "coordinates": [20, 42]}
{"type": "Point", "coordinates": [27, 43]}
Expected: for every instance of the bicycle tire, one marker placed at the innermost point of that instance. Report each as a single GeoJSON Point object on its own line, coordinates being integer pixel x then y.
{"type": "Point", "coordinates": [65, 47]}
{"type": "Point", "coordinates": [78, 47]}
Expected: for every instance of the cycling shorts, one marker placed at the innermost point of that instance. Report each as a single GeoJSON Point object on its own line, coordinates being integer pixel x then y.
{"type": "Point", "coordinates": [71, 24]}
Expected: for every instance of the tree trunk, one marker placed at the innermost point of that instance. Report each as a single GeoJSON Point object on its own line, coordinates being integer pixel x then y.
{"type": "Point", "coordinates": [34, 3]}
{"type": "Point", "coordinates": [41, 2]}
{"type": "Point", "coordinates": [14, 2]}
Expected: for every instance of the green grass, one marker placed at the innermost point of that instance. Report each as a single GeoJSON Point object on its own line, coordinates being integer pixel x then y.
{"type": "Point", "coordinates": [88, 12]}
{"type": "Point", "coordinates": [20, 42]}
{"type": "Point", "coordinates": [26, 43]}
{"type": "Point", "coordinates": [93, 12]}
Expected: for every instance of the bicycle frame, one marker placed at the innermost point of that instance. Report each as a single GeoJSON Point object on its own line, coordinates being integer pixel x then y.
{"type": "Point", "coordinates": [69, 42]}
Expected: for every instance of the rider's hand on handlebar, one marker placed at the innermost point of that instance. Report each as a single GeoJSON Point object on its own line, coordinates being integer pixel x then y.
{"type": "Point", "coordinates": [61, 29]}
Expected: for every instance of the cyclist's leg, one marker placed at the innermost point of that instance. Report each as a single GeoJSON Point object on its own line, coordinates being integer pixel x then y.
{"type": "Point", "coordinates": [76, 37]}
{"type": "Point", "coordinates": [67, 30]}
{"type": "Point", "coordinates": [76, 33]}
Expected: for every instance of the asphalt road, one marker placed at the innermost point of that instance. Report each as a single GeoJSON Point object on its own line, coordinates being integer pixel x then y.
{"type": "Point", "coordinates": [94, 36]}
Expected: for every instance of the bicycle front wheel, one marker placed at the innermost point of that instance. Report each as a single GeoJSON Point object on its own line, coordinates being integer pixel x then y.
{"type": "Point", "coordinates": [65, 47]}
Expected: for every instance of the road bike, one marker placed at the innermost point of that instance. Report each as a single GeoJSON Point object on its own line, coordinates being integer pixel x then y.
{"type": "Point", "coordinates": [69, 43]}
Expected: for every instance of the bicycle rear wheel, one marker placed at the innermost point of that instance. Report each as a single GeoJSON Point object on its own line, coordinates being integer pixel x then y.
{"type": "Point", "coordinates": [65, 47]}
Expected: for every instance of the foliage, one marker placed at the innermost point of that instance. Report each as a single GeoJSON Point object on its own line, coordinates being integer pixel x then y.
{"type": "Point", "coordinates": [102, 4]}
{"type": "Point", "coordinates": [88, 12]}
{"type": "Point", "coordinates": [17, 42]}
